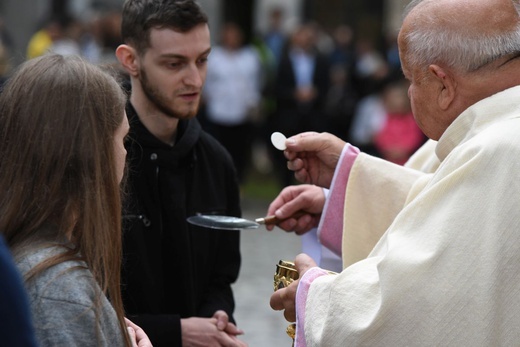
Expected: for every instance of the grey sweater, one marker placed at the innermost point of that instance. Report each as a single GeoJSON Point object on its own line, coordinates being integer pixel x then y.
{"type": "Point", "coordinates": [62, 300]}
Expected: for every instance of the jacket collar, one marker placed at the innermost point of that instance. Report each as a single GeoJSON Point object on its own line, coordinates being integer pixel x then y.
{"type": "Point", "coordinates": [189, 131]}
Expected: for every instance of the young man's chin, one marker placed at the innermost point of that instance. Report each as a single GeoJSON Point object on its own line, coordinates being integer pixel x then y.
{"type": "Point", "coordinates": [185, 114]}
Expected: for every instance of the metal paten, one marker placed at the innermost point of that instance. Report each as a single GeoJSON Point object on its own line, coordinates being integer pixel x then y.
{"type": "Point", "coordinates": [228, 222]}
{"type": "Point", "coordinates": [222, 222]}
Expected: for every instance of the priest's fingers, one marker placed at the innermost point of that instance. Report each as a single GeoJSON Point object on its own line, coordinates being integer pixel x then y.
{"type": "Point", "coordinates": [325, 144]}
{"type": "Point", "coordinates": [290, 156]}
{"type": "Point", "coordinates": [303, 263]}
{"type": "Point", "coordinates": [276, 301]}
{"type": "Point", "coordinates": [313, 157]}
{"type": "Point", "coordinates": [295, 142]}
{"type": "Point", "coordinates": [284, 299]}
{"type": "Point", "coordinates": [290, 313]}
{"type": "Point", "coordinates": [293, 203]}
{"type": "Point", "coordinates": [282, 205]}
{"type": "Point", "coordinates": [303, 176]}
{"type": "Point", "coordinates": [300, 223]}
{"type": "Point", "coordinates": [305, 223]}
{"type": "Point", "coordinates": [295, 164]}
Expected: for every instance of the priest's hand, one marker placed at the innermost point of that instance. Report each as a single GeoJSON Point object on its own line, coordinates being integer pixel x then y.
{"type": "Point", "coordinates": [313, 157]}
{"type": "Point", "coordinates": [285, 298]}
{"type": "Point", "coordinates": [299, 207]}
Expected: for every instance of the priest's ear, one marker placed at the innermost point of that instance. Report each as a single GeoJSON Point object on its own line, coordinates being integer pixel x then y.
{"type": "Point", "coordinates": [127, 56]}
{"type": "Point", "coordinates": [445, 86]}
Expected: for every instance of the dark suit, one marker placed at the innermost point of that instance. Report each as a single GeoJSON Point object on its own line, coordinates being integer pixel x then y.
{"type": "Point", "coordinates": [293, 116]}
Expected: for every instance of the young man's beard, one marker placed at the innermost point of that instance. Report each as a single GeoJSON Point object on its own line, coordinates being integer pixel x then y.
{"type": "Point", "coordinates": [155, 96]}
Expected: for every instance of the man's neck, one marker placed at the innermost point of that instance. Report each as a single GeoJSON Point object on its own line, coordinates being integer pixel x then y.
{"type": "Point", "coordinates": [158, 124]}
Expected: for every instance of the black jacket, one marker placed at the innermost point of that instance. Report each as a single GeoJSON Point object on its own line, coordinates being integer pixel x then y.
{"type": "Point", "coordinates": [292, 116]}
{"type": "Point", "coordinates": [171, 269]}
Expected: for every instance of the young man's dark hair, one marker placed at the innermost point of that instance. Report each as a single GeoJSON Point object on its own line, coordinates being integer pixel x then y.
{"type": "Point", "coordinates": [139, 16]}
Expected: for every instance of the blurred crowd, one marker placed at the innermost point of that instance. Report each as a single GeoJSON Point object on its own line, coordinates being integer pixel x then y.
{"type": "Point", "coordinates": [94, 37]}
{"type": "Point", "coordinates": [305, 79]}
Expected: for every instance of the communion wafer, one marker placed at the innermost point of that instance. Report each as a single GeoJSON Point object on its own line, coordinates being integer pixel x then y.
{"type": "Point", "coordinates": [278, 140]}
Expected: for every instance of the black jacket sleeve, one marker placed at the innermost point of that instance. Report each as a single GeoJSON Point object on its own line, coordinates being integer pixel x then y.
{"type": "Point", "coordinates": [162, 329]}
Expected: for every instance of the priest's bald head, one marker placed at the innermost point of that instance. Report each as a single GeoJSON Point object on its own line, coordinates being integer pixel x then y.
{"type": "Point", "coordinates": [456, 53]}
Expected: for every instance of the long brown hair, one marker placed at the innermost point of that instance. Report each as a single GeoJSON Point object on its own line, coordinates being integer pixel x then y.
{"type": "Point", "coordinates": [58, 117]}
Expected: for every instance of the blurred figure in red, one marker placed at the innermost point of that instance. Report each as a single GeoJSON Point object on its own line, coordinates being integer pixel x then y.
{"type": "Point", "coordinates": [384, 124]}
{"type": "Point", "coordinates": [400, 136]}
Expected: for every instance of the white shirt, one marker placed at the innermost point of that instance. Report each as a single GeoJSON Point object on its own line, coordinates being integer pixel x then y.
{"type": "Point", "coordinates": [303, 64]}
{"type": "Point", "coordinates": [232, 87]}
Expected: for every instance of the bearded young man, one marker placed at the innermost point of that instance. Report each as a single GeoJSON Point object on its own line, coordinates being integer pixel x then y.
{"type": "Point", "coordinates": [176, 277]}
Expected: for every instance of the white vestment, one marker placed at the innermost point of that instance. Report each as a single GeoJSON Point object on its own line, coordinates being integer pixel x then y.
{"type": "Point", "coordinates": [378, 196]}
{"type": "Point", "coordinates": [445, 269]}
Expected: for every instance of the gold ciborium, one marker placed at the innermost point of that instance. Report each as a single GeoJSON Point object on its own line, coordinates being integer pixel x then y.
{"type": "Point", "coordinates": [284, 275]}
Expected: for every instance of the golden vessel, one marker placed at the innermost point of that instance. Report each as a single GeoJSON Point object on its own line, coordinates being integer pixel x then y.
{"type": "Point", "coordinates": [284, 275]}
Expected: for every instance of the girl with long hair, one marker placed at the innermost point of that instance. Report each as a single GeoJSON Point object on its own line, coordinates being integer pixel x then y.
{"type": "Point", "coordinates": [62, 127]}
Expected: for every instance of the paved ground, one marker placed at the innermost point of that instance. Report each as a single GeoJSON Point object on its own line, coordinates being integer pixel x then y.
{"type": "Point", "coordinates": [261, 251]}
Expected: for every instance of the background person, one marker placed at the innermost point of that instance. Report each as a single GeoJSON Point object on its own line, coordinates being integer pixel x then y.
{"type": "Point", "coordinates": [301, 86]}
{"type": "Point", "coordinates": [232, 95]}
{"type": "Point", "coordinates": [384, 124]}
{"type": "Point", "coordinates": [16, 328]}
